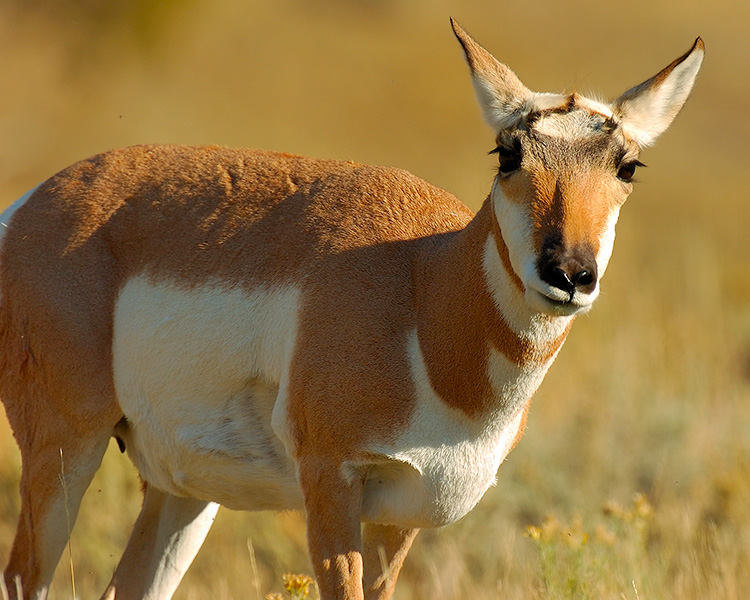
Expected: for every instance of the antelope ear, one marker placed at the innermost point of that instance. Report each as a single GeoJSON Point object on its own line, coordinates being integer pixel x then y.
{"type": "Point", "coordinates": [501, 94]}
{"type": "Point", "coordinates": [647, 109]}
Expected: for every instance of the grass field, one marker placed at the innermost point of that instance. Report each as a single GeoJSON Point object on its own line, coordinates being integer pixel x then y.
{"type": "Point", "coordinates": [633, 479]}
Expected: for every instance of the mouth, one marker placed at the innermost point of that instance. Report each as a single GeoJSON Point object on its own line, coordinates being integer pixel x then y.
{"type": "Point", "coordinates": [558, 305]}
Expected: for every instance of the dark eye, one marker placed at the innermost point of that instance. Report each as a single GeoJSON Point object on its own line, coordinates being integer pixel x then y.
{"type": "Point", "coordinates": [627, 170]}
{"type": "Point", "coordinates": [508, 157]}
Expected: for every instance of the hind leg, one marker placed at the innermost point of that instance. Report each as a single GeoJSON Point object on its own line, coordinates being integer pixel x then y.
{"type": "Point", "coordinates": [166, 537]}
{"type": "Point", "coordinates": [57, 470]}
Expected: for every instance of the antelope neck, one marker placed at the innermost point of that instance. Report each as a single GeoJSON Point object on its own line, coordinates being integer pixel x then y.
{"type": "Point", "coordinates": [459, 322]}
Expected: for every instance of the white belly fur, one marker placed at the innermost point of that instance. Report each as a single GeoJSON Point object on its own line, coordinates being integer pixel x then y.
{"type": "Point", "coordinates": [197, 376]}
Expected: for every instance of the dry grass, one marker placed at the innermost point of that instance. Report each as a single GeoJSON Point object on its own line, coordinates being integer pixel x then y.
{"type": "Point", "coordinates": [651, 395]}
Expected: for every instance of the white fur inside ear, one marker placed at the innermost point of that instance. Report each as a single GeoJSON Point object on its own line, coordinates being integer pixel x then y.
{"type": "Point", "coordinates": [647, 109]}
{"type": "Point", "coordinates": [500, 111]}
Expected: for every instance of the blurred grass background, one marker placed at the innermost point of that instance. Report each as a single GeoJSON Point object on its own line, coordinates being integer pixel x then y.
{"type": "Point", "coordinates": [651, 394]}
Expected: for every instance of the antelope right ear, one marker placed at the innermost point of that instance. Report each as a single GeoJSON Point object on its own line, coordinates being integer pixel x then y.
{"type": "Point", "coordinates": [501, 94]}
{"type": "Point", "coordinates": [647, 109]}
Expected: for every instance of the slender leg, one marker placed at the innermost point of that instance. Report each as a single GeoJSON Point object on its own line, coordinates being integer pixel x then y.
{"type": "Point", "coordinates": [56, 473]}
{"type": "Point", "coordinates": [166, 537]}
{"type": "Point", "coordinates": [333, 505]}
{"type": "Point", "coordinates": [384, 550]}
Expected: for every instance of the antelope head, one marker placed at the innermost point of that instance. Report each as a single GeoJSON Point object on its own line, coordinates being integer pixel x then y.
{"type": "Point", "coordinates": [566, 166]}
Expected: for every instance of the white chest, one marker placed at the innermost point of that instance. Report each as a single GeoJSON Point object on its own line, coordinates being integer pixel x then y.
{"type": "Point", "coordinates": [441, 466]}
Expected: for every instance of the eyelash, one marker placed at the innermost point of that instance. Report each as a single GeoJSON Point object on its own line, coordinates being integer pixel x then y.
{"type": "Point", "coordinates": [626, 170]}
{"type": "Point", "coordinates": [509, 158]}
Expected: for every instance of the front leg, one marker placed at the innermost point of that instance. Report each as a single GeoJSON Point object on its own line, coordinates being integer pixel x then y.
{"type": "Point", "coordinates": [333, 503]}
{"type": "Point", "coordinates": [385, 548]}
{"type": "Point", "coordinates": [165, 540]}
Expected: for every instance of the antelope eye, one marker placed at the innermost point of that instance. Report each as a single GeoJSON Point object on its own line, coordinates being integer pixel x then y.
{"type": "Point", "coordinates": [627, 170]}
{"type": "Point", "coordinates": [509, 158]}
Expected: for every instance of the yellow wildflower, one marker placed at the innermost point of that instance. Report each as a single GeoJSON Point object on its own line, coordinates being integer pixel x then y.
{"type": "Point", "coordinates": [298, 586]}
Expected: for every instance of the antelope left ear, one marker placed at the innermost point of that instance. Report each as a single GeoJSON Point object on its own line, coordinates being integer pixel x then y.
{"type": "Point", "coordinates": [647, 109]}
{"type": "Point", "coordinates": [501, 94]}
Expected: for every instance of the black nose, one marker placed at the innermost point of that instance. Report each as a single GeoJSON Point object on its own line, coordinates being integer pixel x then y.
{"type": "Point", "coordinates": [569, 272]}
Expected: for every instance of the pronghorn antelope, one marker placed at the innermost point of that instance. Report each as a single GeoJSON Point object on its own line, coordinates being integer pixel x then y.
{"type": "Point", "coordinates": [268, 331]}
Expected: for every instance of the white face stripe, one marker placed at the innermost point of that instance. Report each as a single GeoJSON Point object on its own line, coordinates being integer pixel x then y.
{"type": "Point", "coordinates": [595, 106]}
{"type": "Point", "coordinates": [506, 295]}
{"type": "Point", "coordinates": [606, 244]}
{"type": "Point", "coordinates": [516, 228]}
{"type": "Point", "coordinates": [529, 324]}
{"type": "Point", "coordinates": [575, 125]}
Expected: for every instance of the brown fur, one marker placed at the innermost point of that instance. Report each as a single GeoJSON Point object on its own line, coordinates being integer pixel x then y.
{"type": "Point", "coordinates": [373, 246]}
